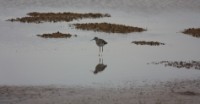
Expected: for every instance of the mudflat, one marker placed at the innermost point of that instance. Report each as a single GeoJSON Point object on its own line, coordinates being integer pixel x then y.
{"type": "Point", "coordinates": [176, 92]}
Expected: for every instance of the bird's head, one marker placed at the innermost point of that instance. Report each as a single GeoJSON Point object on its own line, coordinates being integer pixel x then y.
{"type": "Point", "coordinates": [95, 38]}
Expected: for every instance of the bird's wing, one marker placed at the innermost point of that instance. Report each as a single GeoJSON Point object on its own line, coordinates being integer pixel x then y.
{"type": "Point", "coordinates": [104, 41]}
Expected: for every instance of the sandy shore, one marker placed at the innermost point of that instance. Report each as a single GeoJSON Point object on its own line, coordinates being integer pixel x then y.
{"type": "Point", "coordinates": [179, 92]}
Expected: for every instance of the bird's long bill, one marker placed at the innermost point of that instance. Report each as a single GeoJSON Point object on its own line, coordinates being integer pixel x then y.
{"type": "Point", "coordinates": [92, 40]}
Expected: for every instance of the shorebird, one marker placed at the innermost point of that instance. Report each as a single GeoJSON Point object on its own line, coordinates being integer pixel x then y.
{"type": "Point", "coordinates": [100, 43]}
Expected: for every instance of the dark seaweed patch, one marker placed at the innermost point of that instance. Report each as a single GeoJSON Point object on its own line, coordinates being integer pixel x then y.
{"type": "Point", "coordinates": [180, 64]}
{"type": "Point", "coordinates": [152, 43]}
{"type": "Point", "coordinates": [108, 27]}
{"type": "Point", "coordinates": [37, 17]}
{"type": "Point", "coordinates": [195, 32]}
{"type": "Point", "coordinates": [56, 35]}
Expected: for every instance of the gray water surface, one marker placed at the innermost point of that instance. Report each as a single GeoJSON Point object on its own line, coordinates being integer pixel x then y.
{"type": "Point", "coordinates": [26, 59]}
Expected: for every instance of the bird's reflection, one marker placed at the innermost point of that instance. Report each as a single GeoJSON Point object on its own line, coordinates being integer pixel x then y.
{"type": "Point", "coordinates": [100, 66]}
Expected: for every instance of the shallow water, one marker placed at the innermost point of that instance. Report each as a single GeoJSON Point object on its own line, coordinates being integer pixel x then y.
{"type": "Point", "coordinates": [26, 59]}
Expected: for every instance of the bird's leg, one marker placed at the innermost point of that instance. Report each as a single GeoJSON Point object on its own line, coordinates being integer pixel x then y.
{"type": "Point", "coordinates": [102, 48]}
{"type": "Point", "coordinates": [99, 51]}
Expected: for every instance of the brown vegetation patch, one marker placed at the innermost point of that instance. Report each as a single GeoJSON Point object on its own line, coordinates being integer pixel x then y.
{"type": "Point", "coordinates": [181, 64]}
{"type": "Point", "coordinates": [152, 43]}
{"type": "Point", "coordinates": [108, 28]}
{"type": "Point", "coordinates": [195, 32]}
{"type": "Point", "coordinates": [55, 35]}
{"type": "Point", "coordinates": [36, 17]}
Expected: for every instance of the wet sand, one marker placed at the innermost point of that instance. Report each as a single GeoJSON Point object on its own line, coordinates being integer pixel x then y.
{"type": "Point", "coordinates": [176, 92]}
